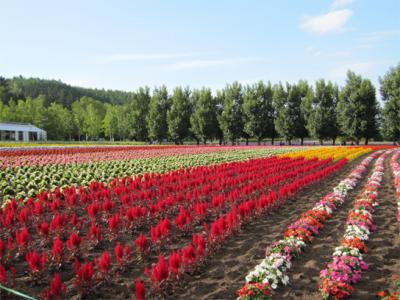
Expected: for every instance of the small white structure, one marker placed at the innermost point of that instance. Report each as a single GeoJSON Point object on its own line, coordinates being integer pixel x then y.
{"type": "Point", "coordinates": [11, 131]}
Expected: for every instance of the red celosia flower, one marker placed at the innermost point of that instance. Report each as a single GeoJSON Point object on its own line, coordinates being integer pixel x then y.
{"type": "Point", "coordinates": [34, 261]}
{"type": "Point", "coordinates": [74, 241]}
{"type": "Point", "coordinates": [95, 232]}
{"type": "Point", "coordinates": [10, 244]}
{"type": "Point", "coordinates": [84, 274]}
{"type": "Point", "coordinates": [57, 223]}
{"type": "Point", "coordinates": [3, 275]}
{"type": "Point", "coordinates": [114, 223]}
{"type": "Point", "coordinates": [22, 238]}
{"type": "Point", "coordinates": [119, 253]}
{"type": "Point", "coordinates": [57, 250]}
{"type": "Point", "coordinates": [160, 271]}
{"type": "Point", "coordinates": [23, 216]}
{"type": "Point", "coordinates": [140, 291]}
{"type": "Point", "coordinates": [2, 249]}
{"type": "Point", "coordinates": [141, 243]}
{"type": "Point", "coordinates": [57, 288]}
{"type": "Point", "coordinates": [44, 229]}
{"type": "Point", "coordinates": [93, 209]}
{"type": "Point", "coordinates": [105, 261]}
{"type": "Point", "coordinates": [128, 251]}
{"type": "Point", "coordinates": [189, 256]}
{"type": "Point", "coordinates": [175, 262]}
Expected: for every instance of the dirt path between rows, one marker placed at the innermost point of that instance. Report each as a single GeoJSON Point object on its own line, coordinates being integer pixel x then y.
{"type": "Point", "coordinates": [224, 274]}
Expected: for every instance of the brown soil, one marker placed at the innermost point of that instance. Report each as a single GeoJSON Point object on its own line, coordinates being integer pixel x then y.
{"type": "Point", "coordinates": [224, 274]}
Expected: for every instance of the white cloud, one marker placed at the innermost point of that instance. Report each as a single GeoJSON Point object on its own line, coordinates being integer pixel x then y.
{"type": "Point", "coordinates": [364, 68]}
{"type": "Point", "coordinates": [340, 3]}
{"type": "Point", "coordinates": [205, 63]}
{"type": "Point", "coordinates": [334, 54]}
{"type": "Point", "coordinates": [121, 57]}
{"type": "Point", "coordinates": [373, 38]}
{"type": "Point", "coordinates": [333, 21]}
{"type": "Point", "coordinates": [250, 81]}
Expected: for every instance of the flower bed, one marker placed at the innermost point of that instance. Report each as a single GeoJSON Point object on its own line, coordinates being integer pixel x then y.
{"type": "Point", "coordinates": [74, 240]}
{"type": "Point", "coordinates": [28, 181]}
{"type": "Point", "coordinates": [272, 271]}
{"type": "Point", "coordinates": [348, 264]}
{"type": "Point", "coordinates": [79, 155]}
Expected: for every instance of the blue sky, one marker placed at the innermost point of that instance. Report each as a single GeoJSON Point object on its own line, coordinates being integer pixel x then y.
{"type": "Point", "coordinates": [127, 44]}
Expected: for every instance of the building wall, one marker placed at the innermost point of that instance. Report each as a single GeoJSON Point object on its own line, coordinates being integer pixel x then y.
{"type": "Point", "coordinates": [21, 133]}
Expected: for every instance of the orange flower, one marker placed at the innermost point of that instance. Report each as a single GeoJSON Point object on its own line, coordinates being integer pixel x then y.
{"type": "Point", "coordinates": [381, 294]}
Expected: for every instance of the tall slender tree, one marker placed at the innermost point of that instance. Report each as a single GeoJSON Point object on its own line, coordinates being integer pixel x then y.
{"type": "Point", "coordinates": [58, 122]}
{"type": "Point", "coordinates": [110, 121]}
{"type": "Point", "coordinates": [258, 111]}
{"type": "Point", "coordinates": [139, 107]}
{"type": "Point", "coordinates": [178, 117]}
{"type": "Point", "coordinates": [358, 109]}
{"type": "Point", "coordinates": [290, 120]}
{"type": "Point", "coordinates": [157, 125]}
{"type": "Point", "coordinates": [322, 118]}
{"type": "Point", "coordinates": [231, 118]}
{"type": "Point", "coordinates": [204, 118]}
{"type": "Point", "coordinates": [390, 91]}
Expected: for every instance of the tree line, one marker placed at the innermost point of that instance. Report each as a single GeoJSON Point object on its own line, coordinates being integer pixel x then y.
{"type": "Point", "coordinates": [259, 111]}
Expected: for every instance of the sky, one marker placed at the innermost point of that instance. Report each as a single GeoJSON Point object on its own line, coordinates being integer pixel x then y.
{"type": "Point", "coordinates": [127, 44]}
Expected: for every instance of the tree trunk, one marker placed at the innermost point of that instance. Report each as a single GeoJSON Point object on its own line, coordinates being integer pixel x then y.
{"type": "Point", "coordinates": [357, 142]}
{"type": "Point", "coordinates": [334, 141]}
{"type": "Point", "coordinates": [321, 142]}
{"type": "Point", "coordinates": [259, 141]}
{"type": "Point", "coordinates": [289, 142]}
{"type": "Point", "coordinates": [366, 141]}
{"type": "Point", "coordinates": [247, 141]}
{"type": "Point", "coordinates": [301, 141]}
{"type": "Point", "coordinates": [272, 140]}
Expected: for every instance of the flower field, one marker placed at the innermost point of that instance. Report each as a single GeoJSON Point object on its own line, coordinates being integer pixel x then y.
{"type": "Point", "coordinates": [153, 222]}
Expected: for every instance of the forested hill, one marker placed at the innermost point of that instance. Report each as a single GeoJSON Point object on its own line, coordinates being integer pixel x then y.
{"type": "Point", "coordinates": [55, 91]}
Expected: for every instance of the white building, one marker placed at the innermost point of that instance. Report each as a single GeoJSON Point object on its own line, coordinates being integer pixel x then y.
{"type": "Point", "coordinates": [11, 131]}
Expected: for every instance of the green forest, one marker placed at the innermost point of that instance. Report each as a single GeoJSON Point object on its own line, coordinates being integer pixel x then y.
{"type": "Point", "coordinates": [322, 111]}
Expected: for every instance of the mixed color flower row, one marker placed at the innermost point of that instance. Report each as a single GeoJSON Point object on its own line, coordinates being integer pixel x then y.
{"type": "Point", "coordinates": [348, 262]}
{"type": "Point", "coordinates": [79, 155]}
{"type": "Point", "coordinates": [272, 271]}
